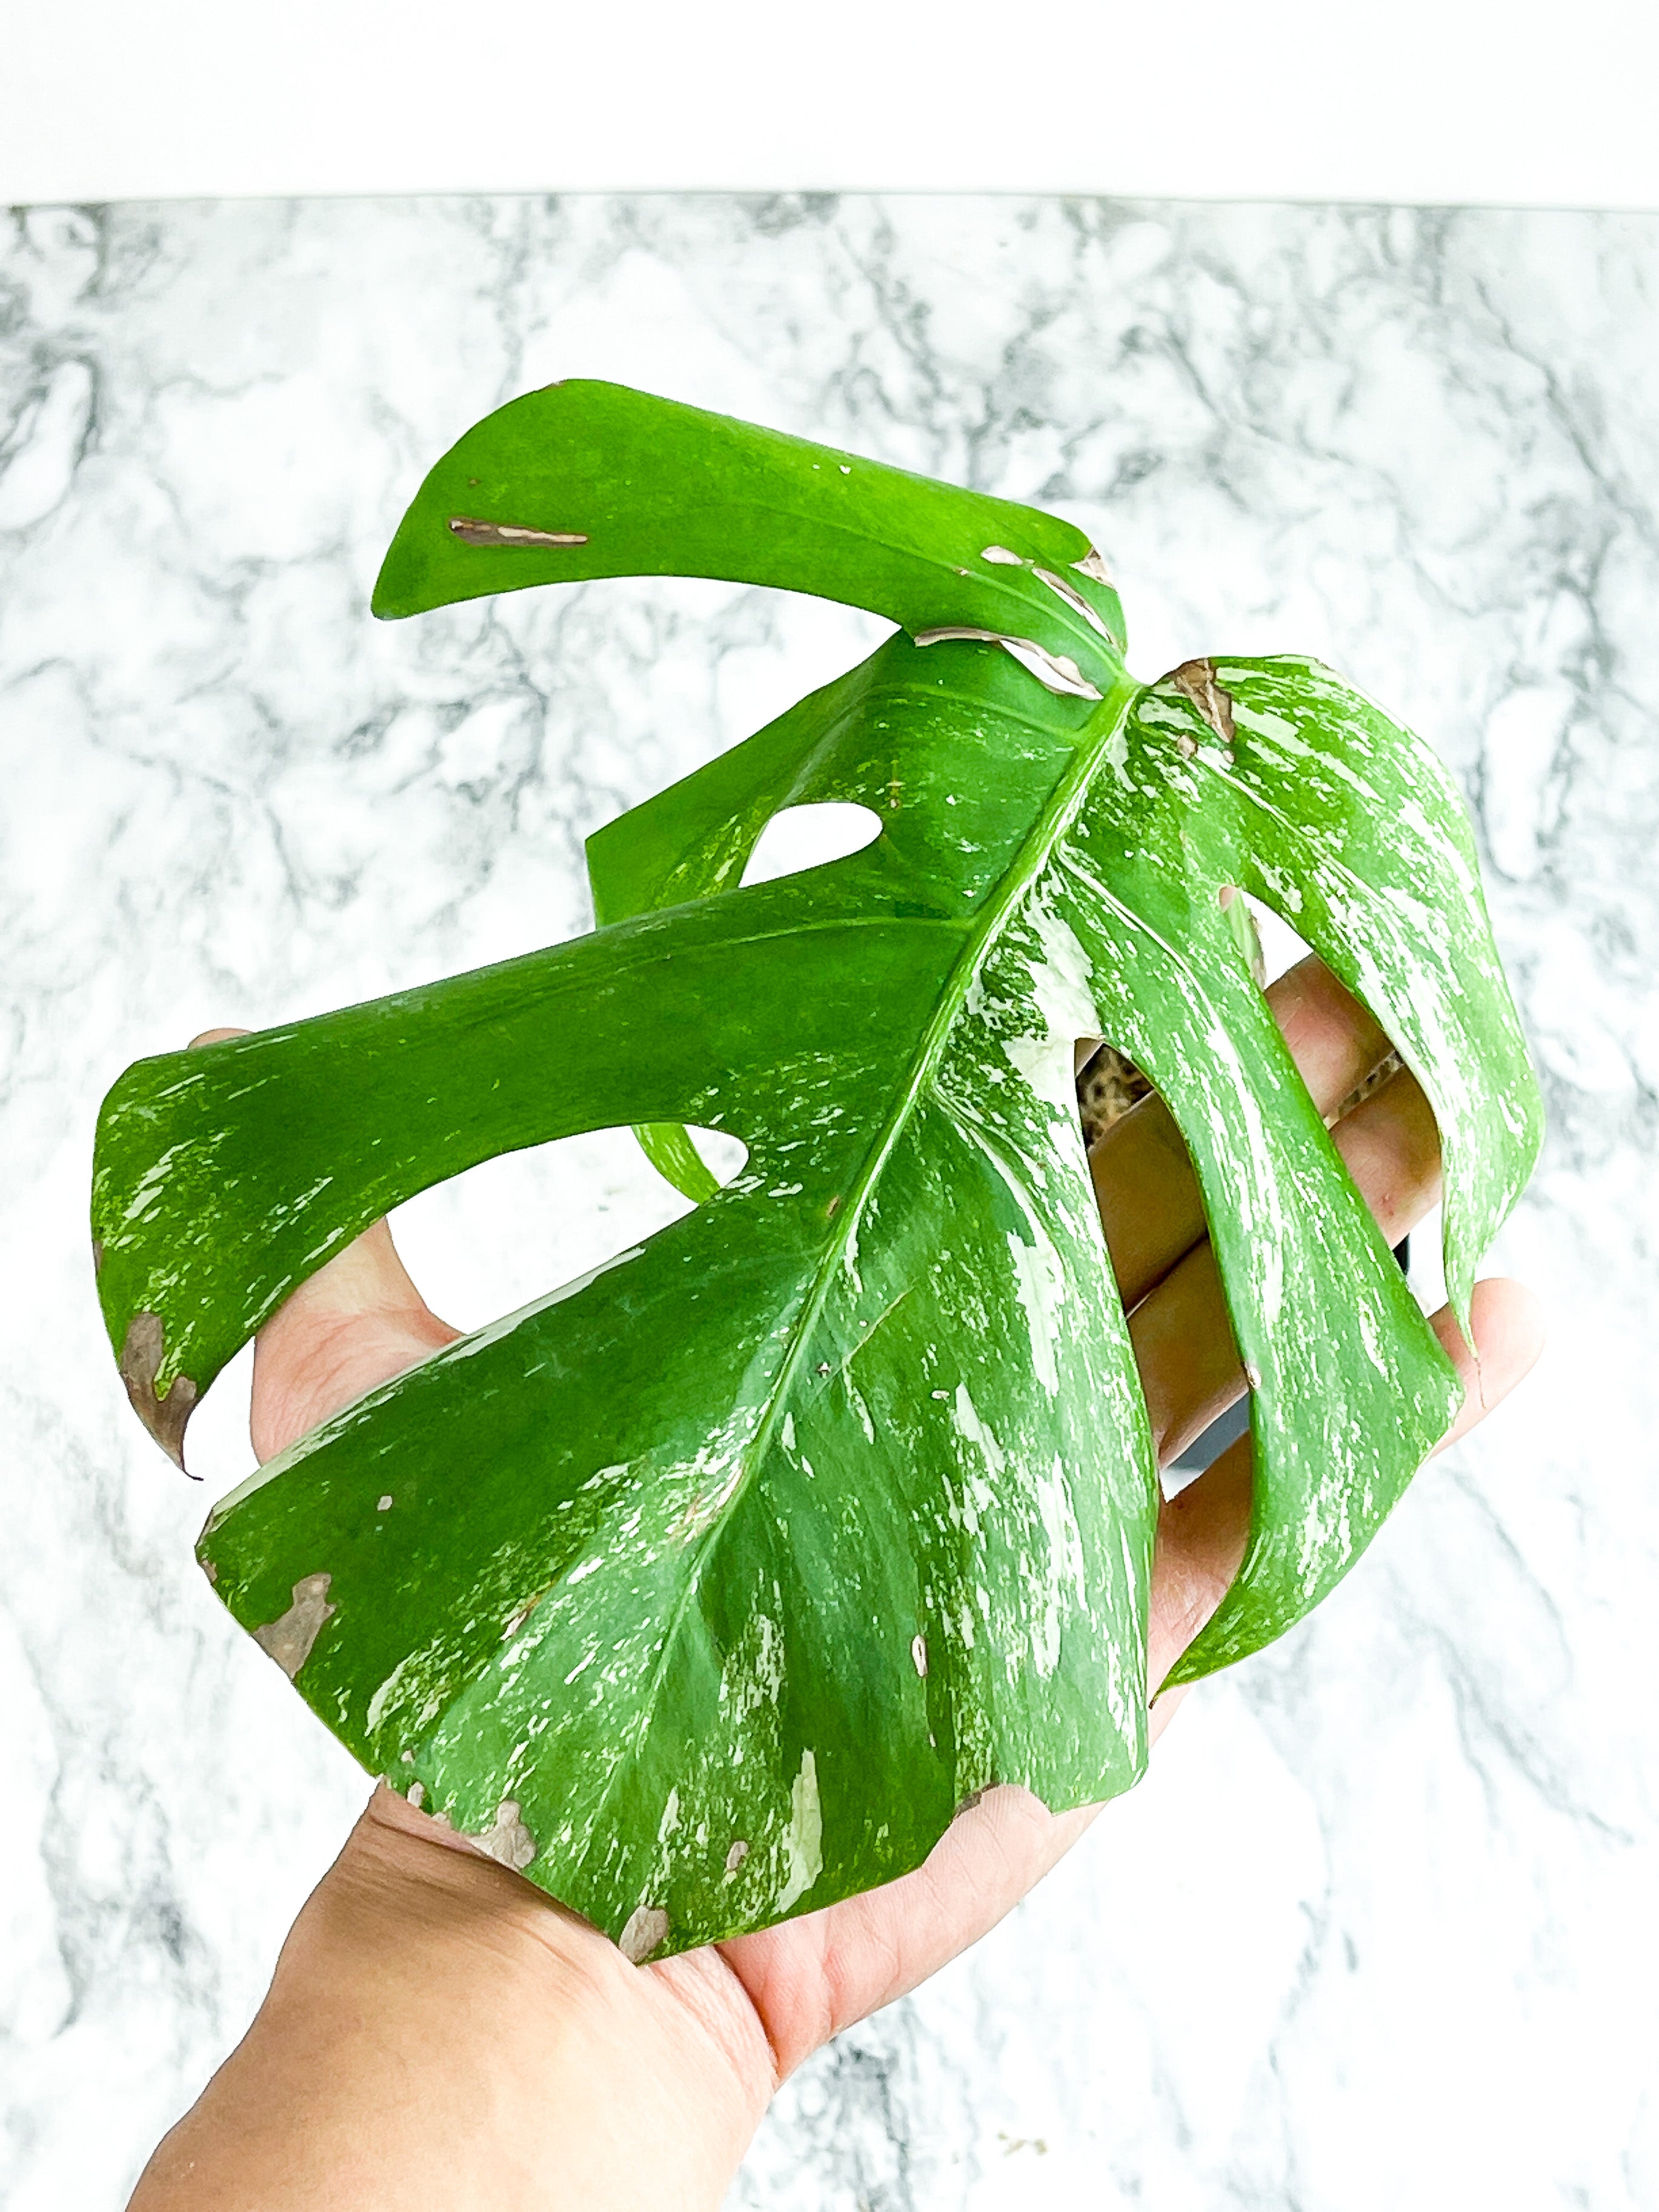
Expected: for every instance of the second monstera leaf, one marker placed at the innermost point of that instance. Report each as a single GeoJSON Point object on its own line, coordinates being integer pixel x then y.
{"type": "Point", "coordinates": [705, 1590]}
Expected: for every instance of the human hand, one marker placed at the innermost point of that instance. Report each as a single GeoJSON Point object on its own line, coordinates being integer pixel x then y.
{"type": "Point", "coordinates": [388, 2050]}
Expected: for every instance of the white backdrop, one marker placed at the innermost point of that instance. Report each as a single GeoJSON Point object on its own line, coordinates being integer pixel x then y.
{"type": "Point", "coordinates": [1379, 1928]}
{"type": "Point", "coordinates": [1429, 100]}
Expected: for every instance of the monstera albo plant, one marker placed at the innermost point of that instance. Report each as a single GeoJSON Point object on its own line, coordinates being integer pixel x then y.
{"type": "Point", "coordinates": [705, 1591]}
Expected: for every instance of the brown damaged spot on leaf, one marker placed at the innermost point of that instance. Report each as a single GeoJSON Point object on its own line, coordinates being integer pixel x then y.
{"type": "Point", "coordinates": [97, 1256]}
{"type": "Point", "coordinates": [471, 531]}
{"type": "Point", "coordinates": [165, 1416]}
{"type": "Point", "coordinates": [646, 1931]}
{"type": "Point", "coordinates": [1195, 680]}
{"type": "Point", "coordinates": [288, 1641]}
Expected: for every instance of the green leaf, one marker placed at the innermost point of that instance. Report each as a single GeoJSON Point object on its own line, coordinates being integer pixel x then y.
{"type": "Point", "coordinates": [670, 1150]}
{"type": "Point", "coordinates": [705, 1590]}
{"type": "Point", "coordinates": [586, 479]}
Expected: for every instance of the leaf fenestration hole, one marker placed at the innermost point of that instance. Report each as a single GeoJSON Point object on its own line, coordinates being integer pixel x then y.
{"type": "Point", "coordinates": [488, 1242]}
{"type": "Point", "coordinates": [218, 1450]}
{"type": "Point", "coordinates": [1151, 1206]}
{"type": "Point", "coordinates": [515, 1228]}
{"type": "Point", "coordinates": [1283, 948]}
{"type": "Point", "coordinates": [810, 836]}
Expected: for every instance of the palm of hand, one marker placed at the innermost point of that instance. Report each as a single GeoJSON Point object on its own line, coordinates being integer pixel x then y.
{"type": "Point", "coordinates": [767, 2000]}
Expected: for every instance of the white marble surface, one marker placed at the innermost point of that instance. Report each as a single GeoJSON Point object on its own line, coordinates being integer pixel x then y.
{"type": "Point", "coordinates": [1379, 1928]}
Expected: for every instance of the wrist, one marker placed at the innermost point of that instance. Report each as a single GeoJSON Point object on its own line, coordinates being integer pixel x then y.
{"type": "Point", "coordinates": [436, 2024]}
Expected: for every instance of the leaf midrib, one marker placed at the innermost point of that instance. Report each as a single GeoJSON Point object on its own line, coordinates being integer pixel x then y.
{"type": "Point", "coordinates": [1056, 817]}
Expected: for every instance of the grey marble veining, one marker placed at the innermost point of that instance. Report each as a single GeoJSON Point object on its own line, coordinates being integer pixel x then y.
{"type": "Point", "coordinates": [1379, 1929]}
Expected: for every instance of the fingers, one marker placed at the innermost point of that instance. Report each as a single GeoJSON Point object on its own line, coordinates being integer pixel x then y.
{"type": "Point", "coordinates": [1150, 1207]}
{"type": "Point", "coordinates": [1203, 1531]}
{"type": "Point", "coordinates": [1182, 1339]}
{"type": "Point", "coordinates": [1508, 1321]}
{"type": "Point", "coordinates": [1333, 1039]}
{"type": "Point", "coordinates": [1201, 1535]}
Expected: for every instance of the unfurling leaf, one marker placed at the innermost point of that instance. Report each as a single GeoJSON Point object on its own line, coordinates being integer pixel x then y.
{"type": "Point", "coordinates": [730, 1572]}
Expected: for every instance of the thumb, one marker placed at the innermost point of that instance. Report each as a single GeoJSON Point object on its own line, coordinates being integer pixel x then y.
{"type": "Point", "coordinates": [352, 1326]}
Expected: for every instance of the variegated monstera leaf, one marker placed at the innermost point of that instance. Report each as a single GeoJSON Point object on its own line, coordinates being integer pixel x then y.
{"type": "Point", "coordinates": [708, 1589]}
